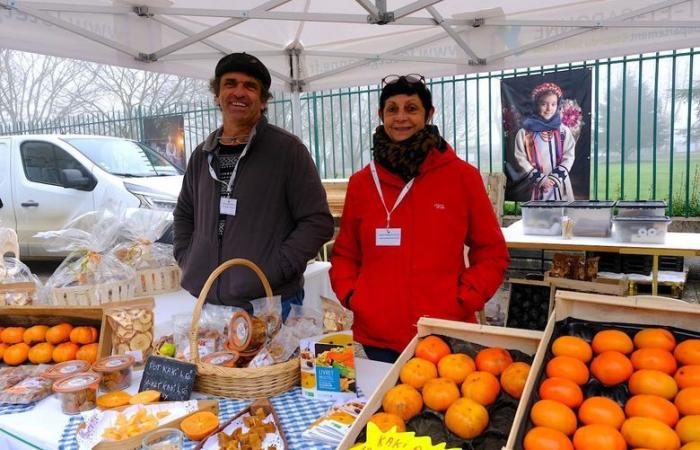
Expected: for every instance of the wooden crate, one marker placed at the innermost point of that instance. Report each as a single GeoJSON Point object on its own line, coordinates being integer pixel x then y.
{"type": "Point", "coordinates": [22, 293]}
{"type": "Point", "coordinates": [27, 316]}
{"type": "Point", "coordinates": [643, 310]}
{"type": "Point", "coordinates": [157, 281]}
{"type": "Point", "coordinates": [524, 340]}
{"type": "Point", "coordinates": [92, 295]}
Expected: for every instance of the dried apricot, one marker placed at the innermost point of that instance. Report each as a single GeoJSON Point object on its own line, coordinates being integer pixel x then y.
{"type": "Point", "coordinates": [199, 425]}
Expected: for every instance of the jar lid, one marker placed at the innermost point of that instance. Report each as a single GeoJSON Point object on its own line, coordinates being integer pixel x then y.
{"type": "Point", "coordinates": [240, 330]}
{"type": "Point", "coordinates": [227, 359]}
{"type": "Point", "coordinates": [113, 363]}
{"type": "Point", "coordinates": [65, 369]}
{"type": "Point", "coordinates": [77, 382]}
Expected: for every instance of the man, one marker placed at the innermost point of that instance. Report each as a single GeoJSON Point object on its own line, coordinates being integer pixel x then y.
{"type": "Point", "coordinates": [251, 191]}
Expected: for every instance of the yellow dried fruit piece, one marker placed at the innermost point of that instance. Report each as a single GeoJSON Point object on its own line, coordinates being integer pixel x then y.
{"type": "Point", "coordinates": [113, 400]}
{"type": "Point", "coordinates": [145, 397]}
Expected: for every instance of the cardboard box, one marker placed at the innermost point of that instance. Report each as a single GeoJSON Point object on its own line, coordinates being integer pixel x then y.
{"type": "Point", "coordinates": [510, 338]}
{"type": "Point", "coordinates": [643, 310]}
{"type": "Point", "coordinates": [328, 367]}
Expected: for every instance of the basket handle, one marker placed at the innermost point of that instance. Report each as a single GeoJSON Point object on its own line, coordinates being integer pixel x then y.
{"type": "Point", "coordinates": [196, 314]}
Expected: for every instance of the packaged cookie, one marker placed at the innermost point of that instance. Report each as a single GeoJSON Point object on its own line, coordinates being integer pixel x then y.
{"type": "Point", "coordinates": [270, 311]}
{"type": "Point", "coordinates": [335, 317]}
{"type": "Point", "coordinates": [132, 328]}
{"type": "Point", "coordinates": [29, 390]}
{"type": "Point", "coordinates": [115, 372]}
{"type": "Point", "coordinates": [77, 393]}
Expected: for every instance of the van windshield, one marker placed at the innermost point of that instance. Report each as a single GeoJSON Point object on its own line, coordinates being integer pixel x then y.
{"type": "Point", "coordinates": [124, 158]}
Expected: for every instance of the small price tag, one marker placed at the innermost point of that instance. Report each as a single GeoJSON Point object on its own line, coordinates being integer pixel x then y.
{"type": "Point", "coordinates": [228, 206]}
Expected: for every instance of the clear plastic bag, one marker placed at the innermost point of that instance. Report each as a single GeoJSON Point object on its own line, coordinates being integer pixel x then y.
{"type": "Point", "coordinates": [29, 390]}
{"type": "Point", "coordinates": [304, 322]}
{"type": "Point", "coordinates": [14, 290]}
{"type": "Point", "coordinates": [140, 230]}
{"type": "Point", "coordinates": [102, 277]}
{"type": "Point", "coordinates": [335, 317]}
{"type": "Point", "coordinates": [269, 310]}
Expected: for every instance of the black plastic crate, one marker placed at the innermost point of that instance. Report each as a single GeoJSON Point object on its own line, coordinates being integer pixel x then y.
{"type": "Point", "coordinates": [528, 305]}
{"type": "Point", "coordinates": [672, 263]}
{"type": "Point", "coordinates": [640, 264]}
{"type": "Point", "coordinates": [609, 262]}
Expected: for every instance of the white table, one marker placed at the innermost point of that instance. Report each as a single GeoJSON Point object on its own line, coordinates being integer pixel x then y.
{"type": "Point", "coordinates": [677, 244]}
{"type": "Point", "coordinates": [41, 428]}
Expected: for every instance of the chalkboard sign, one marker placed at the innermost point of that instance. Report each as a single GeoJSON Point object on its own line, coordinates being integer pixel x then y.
{"type": "Point", "coordinates": [172, 378]}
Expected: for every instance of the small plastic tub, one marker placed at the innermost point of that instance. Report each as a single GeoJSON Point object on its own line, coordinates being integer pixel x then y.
{"type": "Point", "coordinates": [116, 372]}
{"type": "Point", "coordinates": [223, 359]}
{"type": "Point", "coordinates": [591, 218]}
{"type": "Point", "coordinates": [246, 332]}
{"type": "Point", "coordinates": [642, 208]}
{"type": "Point", "coordinates": [66, 369]}
{"type": "Point", "coordinates": [543, 217]}
{"type": "Point", "coordinates": [648, 230]}
{"type": "Point", "coordinates": [77, 393]}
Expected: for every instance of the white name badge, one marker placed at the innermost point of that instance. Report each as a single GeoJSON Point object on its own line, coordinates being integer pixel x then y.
{"type": "Point", "coordinates": [228, 206]}
{"type": "Point", "coordinates": [388, 237]}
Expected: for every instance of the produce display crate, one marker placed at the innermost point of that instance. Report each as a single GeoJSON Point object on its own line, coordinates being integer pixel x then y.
{"type": "Point", "coordinates": [157, 281]}
{"type": "Point", "coordinates": [21, 293]}
{"type": "Point", "coordinates": [528, 304]}
{"type": "Point", "coordinates": [524, 340]}
{"type": "Point", "coordinates": [640, 310]}
{"type": "Point", "coordinates": [27, 316]}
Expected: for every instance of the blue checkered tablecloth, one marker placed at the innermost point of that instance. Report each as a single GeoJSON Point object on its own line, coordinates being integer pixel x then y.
{"type": "Point", "coordinates": [15, 408]}
{"type": "Point", "coordinates": [296, 413]}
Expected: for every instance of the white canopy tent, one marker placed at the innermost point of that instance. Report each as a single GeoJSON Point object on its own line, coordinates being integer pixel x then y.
{"type": "Point", "coordinates": [321, 44]}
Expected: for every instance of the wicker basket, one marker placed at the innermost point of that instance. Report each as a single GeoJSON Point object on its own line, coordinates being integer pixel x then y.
{"type": "Point", "coordinates": [93, 295]}
{"type": "Point", "coordinates": [244, 383]}
{"type": "Point", "coordinates": [157, 281]}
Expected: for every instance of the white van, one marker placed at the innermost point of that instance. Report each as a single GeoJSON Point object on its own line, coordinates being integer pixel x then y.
{"type": "Point", "coordinates": [47, 180]}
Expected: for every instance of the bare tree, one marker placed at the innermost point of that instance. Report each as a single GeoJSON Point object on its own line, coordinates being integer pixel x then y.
{"type": "Point", "coordinates": [36, 88]}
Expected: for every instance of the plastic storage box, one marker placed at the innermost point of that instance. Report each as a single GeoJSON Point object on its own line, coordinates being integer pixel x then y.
{"type": "Point", "coordinates": [591, 217]}
{"type": "Point", "coordinates": [543, 217]}
{"type": "Point", "coordinates": [649, 230]}
{"type": "Point", "coordinates": [642, 208]}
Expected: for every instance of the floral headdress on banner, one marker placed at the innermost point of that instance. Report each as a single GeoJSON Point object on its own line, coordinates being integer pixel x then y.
{"type": "Point", "coordinates": [546, 87]}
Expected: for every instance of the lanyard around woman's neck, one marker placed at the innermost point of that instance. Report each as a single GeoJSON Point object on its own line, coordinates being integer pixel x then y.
{"type": "Point", "coordinates": [401, 196]}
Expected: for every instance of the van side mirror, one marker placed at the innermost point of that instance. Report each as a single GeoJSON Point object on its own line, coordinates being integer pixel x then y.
{"type": "Point", "coordinates": [74, 179]}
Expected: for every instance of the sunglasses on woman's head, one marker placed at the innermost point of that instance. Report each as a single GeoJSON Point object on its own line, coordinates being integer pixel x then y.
{"type": "Point", "coordinates": [411, 78]}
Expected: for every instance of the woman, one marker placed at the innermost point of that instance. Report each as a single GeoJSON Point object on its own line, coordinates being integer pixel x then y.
{"type": "Point", "coordinates": [545, 148]}
{"type": "Point", "coordinates": [407, 217]}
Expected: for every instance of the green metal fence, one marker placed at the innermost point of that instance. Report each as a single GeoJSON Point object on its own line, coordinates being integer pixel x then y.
{"type": "Point", "coordinates": [645, 125]}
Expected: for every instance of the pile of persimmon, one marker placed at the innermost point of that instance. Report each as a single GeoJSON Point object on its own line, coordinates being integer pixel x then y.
{"type": "Point", "coordinates": [455, 384]}
{"type": "Point", "coordinates": [659, 378]}
{"type": "Point", "coordinates": [41, 344]}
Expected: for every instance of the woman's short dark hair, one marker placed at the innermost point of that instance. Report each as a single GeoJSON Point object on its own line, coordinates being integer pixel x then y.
{"type": "Point", "coordinates": [405, 87]}
{"type": "Point", "coordinates": [215, 88]}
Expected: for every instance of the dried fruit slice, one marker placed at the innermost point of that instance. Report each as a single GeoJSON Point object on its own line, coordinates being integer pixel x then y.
{"type": "Point", "coordinates": [145, 317]}
{"type": "Point", "coordinates": [199, 425]}
{"type": "Point", "coordinates": [113, 399]}
{"type": "Point", "coordinates": [143, 397]}
{"type": "Point", "coordinates": [122, 349]}
{"type": "Point", "coordinates": [141, 341]}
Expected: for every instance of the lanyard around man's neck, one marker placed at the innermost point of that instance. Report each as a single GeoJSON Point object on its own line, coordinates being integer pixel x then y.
{"type": "Point", "coordinates": [212, 172]}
